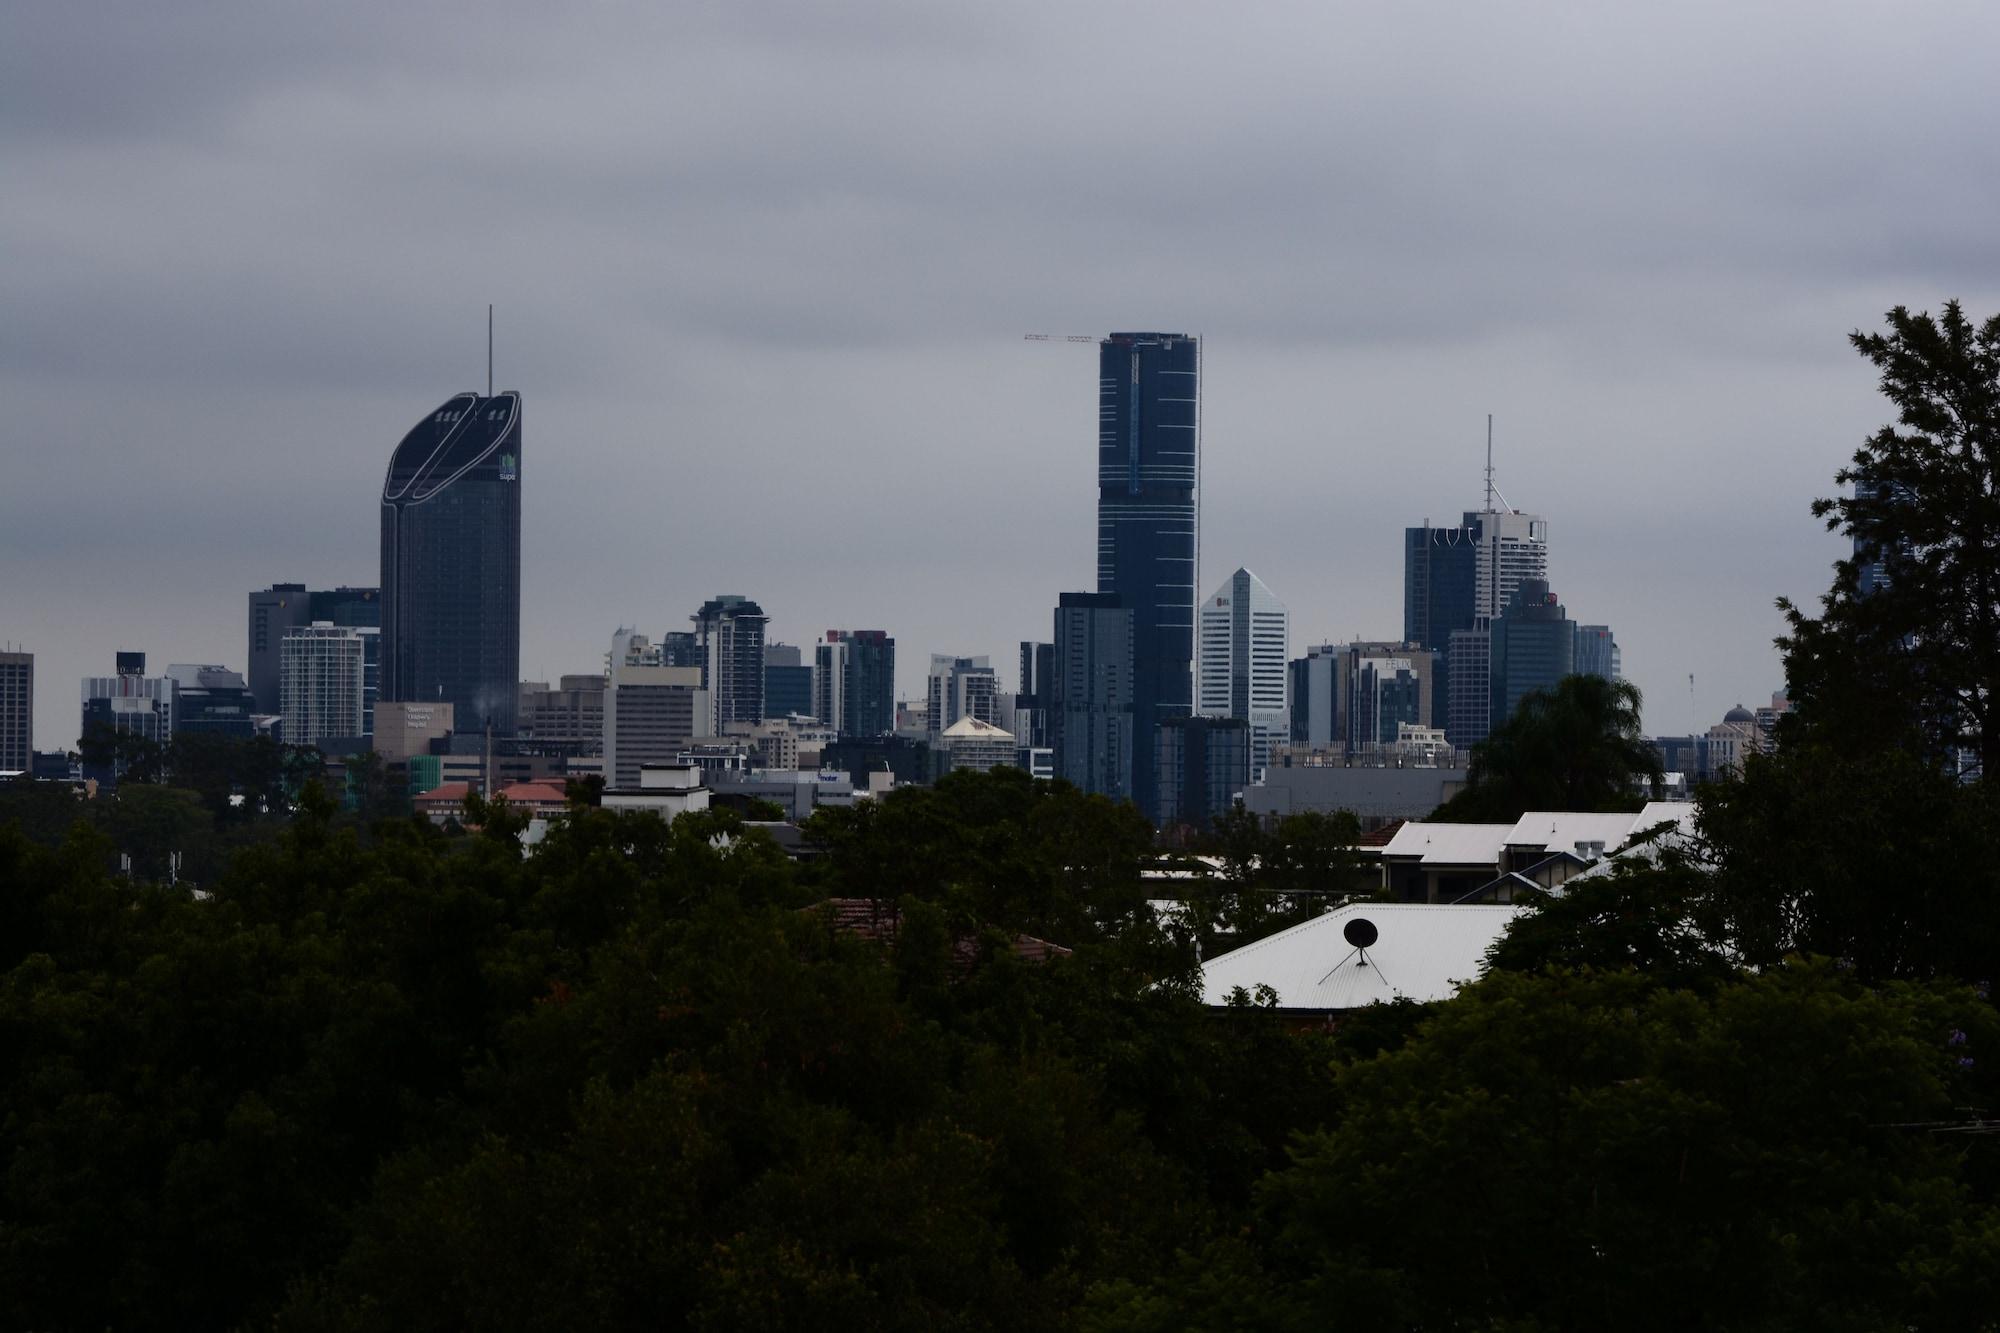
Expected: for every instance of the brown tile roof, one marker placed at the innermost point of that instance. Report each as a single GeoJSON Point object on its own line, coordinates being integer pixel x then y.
{"type": "Point", "coordinates": [877, 919]}
{"type": "Point", "coordinates": [1381, 837]}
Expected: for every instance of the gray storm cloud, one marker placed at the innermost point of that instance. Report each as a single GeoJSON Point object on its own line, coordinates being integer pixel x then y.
{"type": "Point", "coordinates": [762, 273]}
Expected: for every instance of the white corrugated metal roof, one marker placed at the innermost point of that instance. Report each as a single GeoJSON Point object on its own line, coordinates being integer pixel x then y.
{"type": "Point", "coordinates": [1678, 813]}
{"type": "Point", "coordinates": [1562, 830]}
{"type": "Point", "coordinates": [1680, 837]}
{"type": "Point", "coordinates": [1449, 844]}
{"type": "Point", "coordinates": [1421, 952]}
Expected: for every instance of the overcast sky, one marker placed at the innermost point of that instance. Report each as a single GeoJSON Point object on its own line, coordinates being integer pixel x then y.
{"type": "Point", "coordinates": [762, 273]}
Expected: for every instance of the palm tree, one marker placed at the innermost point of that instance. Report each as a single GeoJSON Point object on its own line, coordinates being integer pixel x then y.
{"type": "Point", "coordinates": [1576, 747]}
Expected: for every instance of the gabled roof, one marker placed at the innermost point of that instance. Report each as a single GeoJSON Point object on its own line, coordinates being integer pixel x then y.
{"type": "Point", "coordinates": [1678, 813]}
{"type": "Point", "coordinates": [1449, 844]}
{"type": "Point", "coordinates": [1421, 952]}
{"type": "Point", "coordinates": [972, 726]}
{"type": "Point", "coordinates": [1562, 830]}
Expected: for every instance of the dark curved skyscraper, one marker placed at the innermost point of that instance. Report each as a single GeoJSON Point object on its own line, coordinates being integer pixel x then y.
{"type": "Point", "coordinates": [451, 562]}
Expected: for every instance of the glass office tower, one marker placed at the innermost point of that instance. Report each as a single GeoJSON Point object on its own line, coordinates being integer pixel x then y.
{"type": "Point", "coordinates": [1149, 522]}
{"type": "Point", "coordinates": [451, 563]}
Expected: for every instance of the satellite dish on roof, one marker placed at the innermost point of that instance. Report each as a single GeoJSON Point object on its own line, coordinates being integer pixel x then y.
{"type": "Point", "coordinates": [1360, 932]}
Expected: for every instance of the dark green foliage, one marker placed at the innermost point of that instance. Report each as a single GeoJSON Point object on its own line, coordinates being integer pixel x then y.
{"type": "Point", "coordinates": [389, 1076]}
{"type": "Point", "coordinates": [1923, 661]}
{"type": "Point", "coordinates": [1589, 1151]}
{"type": "Point", "coordinates": [415, 1080]}
{"type": "Point", "coordinates": [1577, 747]}
{"type": "Point", "coordinates": [1663, 921]}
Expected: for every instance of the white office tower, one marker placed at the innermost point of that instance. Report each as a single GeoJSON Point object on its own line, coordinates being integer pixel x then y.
{"type": "Point", "coordinates": [320, 682]}
{"type": "Point", "coordinates": [651, 711]}
{"type": "Point", "coordinates": [1513, 547]}
{"type": "Point", "coordinates": [1240, 664]}
{"type": "Point", "coordinates": [961, 687]}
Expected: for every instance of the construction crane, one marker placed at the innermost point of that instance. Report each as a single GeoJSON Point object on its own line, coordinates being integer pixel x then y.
{"type": "Point", "coordinates": [1058, 338]}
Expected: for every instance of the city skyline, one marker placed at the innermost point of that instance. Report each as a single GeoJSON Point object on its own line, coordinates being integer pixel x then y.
{"type": "Point", "coordinates": [774, 302]}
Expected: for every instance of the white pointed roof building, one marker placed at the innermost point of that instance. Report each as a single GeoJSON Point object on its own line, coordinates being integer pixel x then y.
{"type": "Point", "coordinates": [1240, 662]}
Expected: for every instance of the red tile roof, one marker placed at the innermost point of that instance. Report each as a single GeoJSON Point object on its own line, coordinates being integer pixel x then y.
{"type": "Point", "coordinates": [1381, 837]}
{"type": "Point", "coordinates": [877, 919]}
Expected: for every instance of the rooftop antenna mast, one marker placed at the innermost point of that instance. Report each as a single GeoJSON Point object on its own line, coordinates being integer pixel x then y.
{"type": "Point", "coordinates": [489, 391]}
{"type": "Point", "coordinates": [1491, 489]}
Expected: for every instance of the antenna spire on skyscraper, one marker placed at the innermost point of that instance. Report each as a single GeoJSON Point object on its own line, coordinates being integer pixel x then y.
{"type": "Point", "coordinates": [1491, 489]}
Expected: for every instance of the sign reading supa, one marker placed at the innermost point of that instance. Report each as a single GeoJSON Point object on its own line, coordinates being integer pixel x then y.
{"type": "Point", "coordinates": [509, 470]}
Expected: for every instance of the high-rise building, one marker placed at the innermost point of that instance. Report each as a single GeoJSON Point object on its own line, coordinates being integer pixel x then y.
{"type": "Point", "coordinates": [729, 630]}
{"type": "Point", "coordinates": [788, 682]}
{"type": "Point", "coordinates": [277, 610]}
{"type": "Point", "coordinates": [1315, 696]}
{"type": "Point", "coordinates": [1469, 713]}
{"type": "Point", "coordinates": [1090, 706]}
{"type": "Point", "coordinates": [1459, 579]}
{"type": "Point", "coordinates": [961, 687]}
{"type": "Point", "coordinates": [451, 563]}
{"type": "Point", "coordinates": [17, 712]}
{"type": "Point", "coordinates": [320, 680]}
{"type": "Point", "coordinates": [1352, 698]}
{"type": "Point", "coordinates": [1597, 653]}
{"type": "Point", "coordinates": [854, 682]}
{"type": "Point", "coordinates": [130, 703]}
{"type": "Point", "coordinates": [1533, 647]}
{"type": "Point", "coordinates": [1204, 762]}
{"type": "Point", "coordinates": [1245, 634]}
{"type": "Point", "coordinates": [1874, 565]}
{"type": "Point", "coordinates": [566, 720]}
{"type": "Point", "coordinates": [1031, 701]}
{"type": "Point", "coordinates": [211, 701]}
{"type": "Point", "coordinates": [1384, 687]}
{"type": "Point", "coordinates": [681, 648]}
{"type": "Point", "coordinates": [1149, 524]}
{"type": "Point", "coordinates": [651, 712]}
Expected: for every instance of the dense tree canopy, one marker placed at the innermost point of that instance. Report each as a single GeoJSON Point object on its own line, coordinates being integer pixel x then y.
{"type": "Point", "coordinates": [1924, 501]}
{"type": "Point", "coordinates": [312, 1069]}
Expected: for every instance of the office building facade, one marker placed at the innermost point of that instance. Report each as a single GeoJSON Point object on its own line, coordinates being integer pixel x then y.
{"type": "Point", "coordinates": [1469, 687]}
{"type": "Point", "coordinates": [961, 687]}
{"type": "Point", "coordinates": [1597, 653]}
{"type": "Point", "coordinates": [451, 563]}
{"type": "Point", "coordinates": [566, 720]}
{"type": "Point", "coordinates": [283, 607]}
{"type": "Point", "coordinates": [1204, 763]}
{"type": "Point", "coordinates": [1533, 648]}
{"type": "Point", "coordinates": [788, 682]}
{"type": "Point", "coordinates": [1245, 636]}
{"type": "Point", "coordinates": [17, 712]}
{"type": "Point", "coordinates": [1149, 524]}
{"type": "Point", "coordinates": [854, 682]}
{"type": "Point", "coordinates": [212, 701]}
{"type": "Point", "coordinates": [128, 704]}
{"type": "Point", "coordinates": [1031, 701]}
{"type": "Point", "coordinates": [1456, 580]}
{"type": "Point", "coordinates": [320, 681]}
{"type": "Point", "coordinates": [1091, 724]}
{"type": "Point", "coordinates": [1384, 688]}
{"type": "Point", "coordinates": [650, 714]}
{"type": "Point", "coordinates": [729, 636]}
